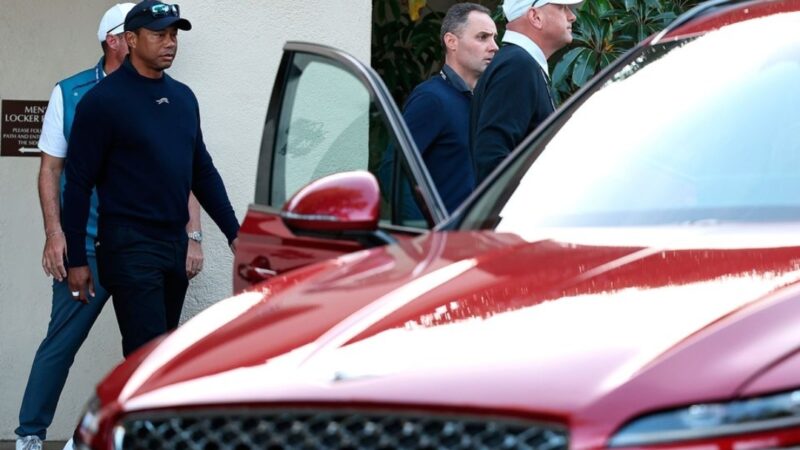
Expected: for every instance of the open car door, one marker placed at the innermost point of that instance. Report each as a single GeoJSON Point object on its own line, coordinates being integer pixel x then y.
{"type": "Point", "coordinates": [329, 114]}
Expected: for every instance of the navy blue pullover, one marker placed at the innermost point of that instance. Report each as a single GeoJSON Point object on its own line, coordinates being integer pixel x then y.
{"type": "Point", "coordinates": [139, 141]}
{"type": "Point", "coordinates": [511, 99]}
{"type": "Point", "coordinates": [437, 114]}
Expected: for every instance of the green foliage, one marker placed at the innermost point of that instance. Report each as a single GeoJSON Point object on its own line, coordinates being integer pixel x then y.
{"type": "Point", "coordinates": [603, 31]}
{"type": "Point", "coordinates": [405, 52]}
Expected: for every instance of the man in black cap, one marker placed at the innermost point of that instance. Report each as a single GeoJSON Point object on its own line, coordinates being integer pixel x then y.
{"type": "Point", "coordinates": [137, 138]}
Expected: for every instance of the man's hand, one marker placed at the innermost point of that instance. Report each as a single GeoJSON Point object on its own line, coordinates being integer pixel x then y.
{"type": "Point", "coordinates": [194, 255]}
{"type": "Point", "coordinates": [55, 249]}
{"type": "Point", "coordinates": [80, 283]}
{"type": "Point", "coordinates": [234, 244]}
{"type": "Point", "coordinates": [55, 245]}
{"type": "Point", "coordinates": [194, 259]}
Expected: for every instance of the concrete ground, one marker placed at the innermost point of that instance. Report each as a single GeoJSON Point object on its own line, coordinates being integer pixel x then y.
{"type": "Point", "coordinates": [48, 445]}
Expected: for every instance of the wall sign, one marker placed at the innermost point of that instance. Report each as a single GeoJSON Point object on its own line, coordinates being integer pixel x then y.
{"type": "Point", "coordinates": [21, 126]}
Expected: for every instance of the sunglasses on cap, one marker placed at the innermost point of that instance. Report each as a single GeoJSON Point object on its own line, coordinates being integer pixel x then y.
{"type": "Point", "coordinates": [160, 10]}
{"type": "Point", "coordinates": [164, 10]}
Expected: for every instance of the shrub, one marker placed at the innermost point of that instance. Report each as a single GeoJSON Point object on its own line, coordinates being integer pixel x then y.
{"type": "Point", "coordinates": [405, 52]}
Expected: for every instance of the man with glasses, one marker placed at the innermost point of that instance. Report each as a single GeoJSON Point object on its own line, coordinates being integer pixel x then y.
{"type": "Point", "coordinates": [513, 96]}
{"type": "Point", "coordinates": [137, 138]}
{"type": "Point", "coordinates": [70, 321]}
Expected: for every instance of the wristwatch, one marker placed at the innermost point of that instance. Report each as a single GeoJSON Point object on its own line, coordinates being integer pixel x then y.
{"type": "Point", "coordinates": [196, 236]}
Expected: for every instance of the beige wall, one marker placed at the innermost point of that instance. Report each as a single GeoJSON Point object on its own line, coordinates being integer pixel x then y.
{"type": "Point", "coordinates": [229, 59]}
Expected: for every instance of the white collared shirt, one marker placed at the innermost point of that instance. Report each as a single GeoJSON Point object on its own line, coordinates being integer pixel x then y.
{"type": "Point", "coordinates": [512, 37]}
{"type": "Point", "coordinates": [51, 139]}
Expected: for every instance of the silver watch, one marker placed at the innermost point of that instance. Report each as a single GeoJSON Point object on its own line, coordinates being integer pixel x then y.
{"type": "Point", "coordinates": [196, 236]}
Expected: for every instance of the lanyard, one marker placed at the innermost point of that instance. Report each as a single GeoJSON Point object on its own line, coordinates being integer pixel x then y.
{"type": "Point", "coordinates": [547, 86]}
{"type": "Point", "coordinates": [449, 81]}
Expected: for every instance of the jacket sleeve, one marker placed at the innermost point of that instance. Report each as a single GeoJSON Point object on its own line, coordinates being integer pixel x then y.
{"type": "Point", "coordinates": [90, 139]}
{"type": "Point", "coordinates": [424, 116]}
{"type": "Point", "coordinates": [210, 191]}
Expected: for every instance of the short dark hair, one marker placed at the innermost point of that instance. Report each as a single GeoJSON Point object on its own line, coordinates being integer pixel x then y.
{"type": "Point", "coordinates": [456, 18]}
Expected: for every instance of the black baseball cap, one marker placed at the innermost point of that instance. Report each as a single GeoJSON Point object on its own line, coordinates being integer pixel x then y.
{"type": "Point", "coordinates": [155, 16]}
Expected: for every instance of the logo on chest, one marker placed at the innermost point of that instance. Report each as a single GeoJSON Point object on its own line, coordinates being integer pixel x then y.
{"type": "Point", "coordinates": [162, 100]}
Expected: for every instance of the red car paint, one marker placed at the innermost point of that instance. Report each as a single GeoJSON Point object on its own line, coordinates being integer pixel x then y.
{"type": "Point", "coordinates": [585, 335]}
{"type": "Point", "coordinates": [345, 201]}
{"type": "Point", "coordinates": [588, 329]}
{"type": "Point", "coordinates": [752, 10]}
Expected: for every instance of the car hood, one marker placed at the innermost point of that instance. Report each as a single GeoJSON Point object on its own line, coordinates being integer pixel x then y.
{"type": "Point", "coordinates": [561, 328]}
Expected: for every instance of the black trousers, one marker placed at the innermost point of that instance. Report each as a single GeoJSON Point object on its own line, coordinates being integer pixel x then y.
{"type": "Point", "coordinates": [147, 281]}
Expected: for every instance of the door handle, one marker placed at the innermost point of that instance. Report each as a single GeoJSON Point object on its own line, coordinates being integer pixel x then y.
{"type": "Point", "coordinates": [258, 270]}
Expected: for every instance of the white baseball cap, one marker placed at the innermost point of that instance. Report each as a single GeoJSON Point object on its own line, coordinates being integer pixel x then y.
{"type": "Point", "coordinates": [113, 20]}
{"type": "Point", "coordinates": [514, 9]}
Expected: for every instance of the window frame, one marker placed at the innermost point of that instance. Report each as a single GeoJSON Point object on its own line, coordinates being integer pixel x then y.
{"type": "Point", "coordinates": [379, 96]}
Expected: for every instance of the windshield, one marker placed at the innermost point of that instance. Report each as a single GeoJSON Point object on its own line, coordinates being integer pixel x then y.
{"type": "Point", "coordinates": [700, 130]}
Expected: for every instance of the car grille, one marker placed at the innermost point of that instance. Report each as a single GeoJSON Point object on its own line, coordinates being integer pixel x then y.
{"type": "Point", "coordinates": [300, 430]}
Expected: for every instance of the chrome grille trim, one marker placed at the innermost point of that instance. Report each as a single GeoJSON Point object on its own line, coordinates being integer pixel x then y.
{"type": "Point", "coordinates": [301, 429]}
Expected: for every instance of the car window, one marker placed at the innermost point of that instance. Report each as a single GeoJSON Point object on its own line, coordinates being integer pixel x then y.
{"type": "Point", "coordinates": [329, 122]}
{"type": "Point", "coordinates": [696, 131]}
{"type": "Point", "coordinates": [326, 114]}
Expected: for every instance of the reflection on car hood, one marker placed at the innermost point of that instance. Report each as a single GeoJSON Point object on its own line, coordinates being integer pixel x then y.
{"type": "Point", "coordinates": [551, 328]}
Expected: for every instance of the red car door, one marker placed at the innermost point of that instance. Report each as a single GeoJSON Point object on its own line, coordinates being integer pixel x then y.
{"type": "Point", "coordinates": [329, 113]}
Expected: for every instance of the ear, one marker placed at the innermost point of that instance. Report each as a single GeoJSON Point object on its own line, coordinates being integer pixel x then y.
{"type": "Point", "coordinates": [113, 42]}
{"type": "Point", "coordinates": [131, 38]}
{"type": "Point", "coordinates": [535, 18]}
{"type": "Point", "coordinates": [450, 41]}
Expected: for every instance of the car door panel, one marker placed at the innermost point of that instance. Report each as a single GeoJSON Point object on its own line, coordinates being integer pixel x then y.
{"type": "Point", "coordinates": [328, 114]}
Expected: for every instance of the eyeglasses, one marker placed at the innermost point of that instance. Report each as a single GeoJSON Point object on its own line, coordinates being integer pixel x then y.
{"type": "Point", "coordinates": [160, 10]}
{"type": "Point", "coordinates": [164, 10]}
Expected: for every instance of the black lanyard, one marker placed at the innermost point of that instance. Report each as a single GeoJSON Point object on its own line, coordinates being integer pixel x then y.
{"type": "Point", "coordinates": [450, 82]}
{"type": "Point", "coordinates": [546, 85]}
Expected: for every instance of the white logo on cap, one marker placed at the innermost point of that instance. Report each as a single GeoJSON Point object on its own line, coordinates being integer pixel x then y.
{"type": "Point", "coordinates": [162, 100]}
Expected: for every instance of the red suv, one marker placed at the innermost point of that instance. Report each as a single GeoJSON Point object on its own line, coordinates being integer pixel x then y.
{"type": "Point", "coordinates": [630, 277]}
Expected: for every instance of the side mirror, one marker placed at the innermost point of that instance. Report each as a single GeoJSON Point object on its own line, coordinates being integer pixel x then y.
{"type": "Point", "coordinates": [339, 205]}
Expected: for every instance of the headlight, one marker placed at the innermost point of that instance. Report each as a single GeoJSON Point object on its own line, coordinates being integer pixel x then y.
{"type": "Point", "coordinates": [712, 420]}
{"type": "Point", "coordinates": [89, 425]}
